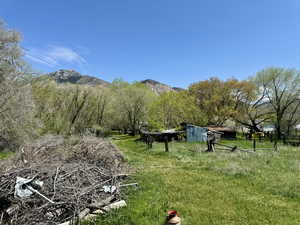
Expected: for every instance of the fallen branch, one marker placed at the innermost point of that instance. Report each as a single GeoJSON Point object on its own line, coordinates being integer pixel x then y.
{"type": "Point", "coordinates": [115, 205]}
{"type": "Point", "coordinates": [100, 204]}
{"type": "Point", "coordinates": [81, 216]}
{"type": "Point", "coordinates": [126, 185]}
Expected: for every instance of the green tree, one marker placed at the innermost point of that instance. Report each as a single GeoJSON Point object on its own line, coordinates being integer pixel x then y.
{"type": "Point", "coordinates": [172, 108]}
{"type": "Point", "coordinates": [68, 108]}
{"type": "Point", "coordinates": [252, 110]}
{"type": "Point", "coordinates": [131, 104]}
{"type": "Point", "coordinates": [282, 91]}
{"type": "Point", "coordinates": [16, 106]}
{"type": "Point", "coordinates": [219, 100]}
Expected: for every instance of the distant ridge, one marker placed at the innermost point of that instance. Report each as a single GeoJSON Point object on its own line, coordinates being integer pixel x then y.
{"type": "Point", "coordinates": [63, 76]}
{"type": "Point", "coordinates": [160, 88]}
{"type": "Point", "coordinates": [74, 77]}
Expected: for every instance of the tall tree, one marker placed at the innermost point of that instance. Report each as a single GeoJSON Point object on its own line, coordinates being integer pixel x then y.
{"type": "Point", "coordinates": [172, 108]}
{"type": "Point", "coordinates": [16, 117]}
{"type": "Point", "coordinates": [292, 117]}
{"type": "Point", "coordinates": [68, 108]}
{"type": "Point", "coordinates": [220, 99]}
{"type": "Point", "coordinates": [282, 90]}
{"type": "Point", "coordinates": [131, 104]}
{"type": "Point", "coordinates": [252, 109]}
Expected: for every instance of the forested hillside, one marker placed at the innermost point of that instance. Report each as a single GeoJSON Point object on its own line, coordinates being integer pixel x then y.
{"type": "Point", "coordinates": [66, 102]}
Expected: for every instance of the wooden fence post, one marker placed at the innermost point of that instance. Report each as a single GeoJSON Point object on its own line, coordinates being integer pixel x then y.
{"type": "Point", "coordinates": [284, 139]}
{"type": "Point", "coordinates": [254, 144]}
{"type": "Point", "coordinates": [275, 144]}
{"type": "Point", "coordinates": [166, 143]}
{"type": "Point", "coordinates": [149, 140]}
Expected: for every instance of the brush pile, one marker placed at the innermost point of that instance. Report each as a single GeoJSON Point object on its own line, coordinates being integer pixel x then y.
{"type": "Point", "coordinates": [63, 178]}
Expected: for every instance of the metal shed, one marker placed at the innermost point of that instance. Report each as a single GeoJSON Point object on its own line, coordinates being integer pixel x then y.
{"type": "Point", "coordinates": [195, 133]}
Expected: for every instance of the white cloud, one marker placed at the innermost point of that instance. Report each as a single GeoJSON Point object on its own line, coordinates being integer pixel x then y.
{"type": "Point", "coordinates": [53, 56]}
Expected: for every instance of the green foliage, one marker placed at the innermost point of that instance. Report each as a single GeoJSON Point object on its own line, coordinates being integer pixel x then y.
{"type": "Point", "coordinates": [131, 105]}
{"type": "Point", "coordinates": [66, 109]}
{"type": "Point", "coordinates": [219, 100]}
{"type": "Point", "coordinates": [172, 108]}
{"type": "Point", "coordinates": [281, 90]}
{"type": "Point", "coordinates": [127, 107]}
{"type": "Point", "coordinates": [5, 155]}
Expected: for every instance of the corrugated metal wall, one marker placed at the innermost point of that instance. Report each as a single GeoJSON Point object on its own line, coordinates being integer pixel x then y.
{"type": "Point", "coordinates": [195, 133]}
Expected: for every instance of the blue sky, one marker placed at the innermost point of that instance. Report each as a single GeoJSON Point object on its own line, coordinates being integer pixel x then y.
{"type": "Point", "coordinates": [172, 41]}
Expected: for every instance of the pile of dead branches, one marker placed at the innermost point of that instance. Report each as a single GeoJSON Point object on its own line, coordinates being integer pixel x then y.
{"type": "Point", "coordinates": [64, 177]}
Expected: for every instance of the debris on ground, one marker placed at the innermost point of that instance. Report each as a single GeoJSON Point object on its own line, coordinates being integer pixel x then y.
{"type": "Point", "coordinates": [58, 180]}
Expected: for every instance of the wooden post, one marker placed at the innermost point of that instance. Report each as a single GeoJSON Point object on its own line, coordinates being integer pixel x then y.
{"type": "Point", "coordinates": [212, 144]}
{"type": "Point", "coordinates": [208, 145]}
{"type": "Point", "coordinates": [149, 141]}
{"type": "Point", "coordinates": [284, 139]}
{"type": "Point", "coordinates": [210, 141]}
{"type": "Point", "coordinates": [166, 143]}
{"type": "Point", "coordinates": [254, 144]}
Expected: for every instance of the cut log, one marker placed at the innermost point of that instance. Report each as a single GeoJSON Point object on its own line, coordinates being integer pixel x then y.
{"type": "Point", "coordinates": [81, 216]}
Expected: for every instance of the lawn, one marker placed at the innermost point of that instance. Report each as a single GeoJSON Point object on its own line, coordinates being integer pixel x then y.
{"type": "Point", "coordinates": [218, 188]}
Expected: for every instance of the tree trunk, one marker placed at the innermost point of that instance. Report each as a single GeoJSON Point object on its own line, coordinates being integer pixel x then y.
{"type": "Point", "coordinates": [278, 130]}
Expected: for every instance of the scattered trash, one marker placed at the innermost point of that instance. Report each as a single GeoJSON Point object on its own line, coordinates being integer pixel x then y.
{"type": "Point", "coordinates": [24, 189]}
{"type": "Point", "coordinates": [22, 184]}
{"type": "Point", "coordinates": [173, 218]}
{"type": "Point", "coordinates": [112, 189]}
{"type": "Point", "coordinates": [109, 188]}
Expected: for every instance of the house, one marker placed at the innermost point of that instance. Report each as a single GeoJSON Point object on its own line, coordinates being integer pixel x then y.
{"type": "Point", "coordinates": [270, 128]}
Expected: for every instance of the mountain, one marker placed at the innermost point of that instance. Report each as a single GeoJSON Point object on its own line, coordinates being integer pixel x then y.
{"type": "Point", "coordinates": [73, 77]}
{"type": "Point", "coordinates": [160, 88]}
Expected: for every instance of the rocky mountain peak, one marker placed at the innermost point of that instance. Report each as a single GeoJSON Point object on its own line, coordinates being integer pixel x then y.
{"type": "Point", "coordinates": [158, 87]}
{"type": "Point", "coordinates": [74, 77]}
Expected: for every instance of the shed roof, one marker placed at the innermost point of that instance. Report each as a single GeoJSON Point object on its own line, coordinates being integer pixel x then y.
{"type": "Point", "coordinates": [221, 129]}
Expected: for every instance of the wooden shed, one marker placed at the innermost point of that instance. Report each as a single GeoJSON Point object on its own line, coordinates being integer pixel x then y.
{"type": "Point", "coordinates": [227, 132]}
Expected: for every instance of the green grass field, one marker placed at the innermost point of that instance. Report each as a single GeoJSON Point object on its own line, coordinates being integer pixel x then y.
{"type": "Point", "coordinates": [218, 188]}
